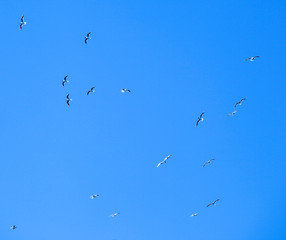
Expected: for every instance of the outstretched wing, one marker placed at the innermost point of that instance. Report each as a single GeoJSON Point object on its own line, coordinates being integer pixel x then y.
{"type": "Point", "coordinates": [65, 78]}
{"type": "Point", "coordinates": [198, 122]}
{"type": "Point", "coordinates": [202, 114]}
{"type": "Point", "coordinates": [22, 18]}
{"type": "Point", "coordinates": [88, 92]}
{"type": "Point", "coordinates": [88, 34]}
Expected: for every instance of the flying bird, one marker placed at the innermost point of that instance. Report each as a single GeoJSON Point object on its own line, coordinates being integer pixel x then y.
{"type": "Point", "coordinates": [90, 91]}
{"type": "Point", "coordinates": [213, 203]}
{"type": "Point", "coordinates": [87, 37]}
{"type": "Point", "coordinates": [200, 118]}
{"type": "Point", "coordinates": [194, 215]}
{"type": "Point", "coordinates": [94, 196]}
{"type": "Point", "coordinates": [164, 161]}
{"type": "Point", "coordinates": [239, 102]}
{"type": "Point", "coordinates": [22, 23]}
{"type": "Point", "coordinates": [115, 214]}
{"type": "Point", "coordinates": [68, 100]}
{"type": "Point", "coordinates": [251, 58]}
{"type": "Point", "coordinates": [208, 162]}
{"type": "Point", "coordinates": [125, 90]}
{"type": "Point", "coordinates": [65, 80]}
{"type": "Point", "coordinates": [231, 114]}
{"type": "Point", "coordinates": [13, 227]}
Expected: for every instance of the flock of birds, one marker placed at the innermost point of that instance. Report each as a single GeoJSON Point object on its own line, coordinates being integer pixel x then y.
{"type": "Point", "coordinates": [200, 119]}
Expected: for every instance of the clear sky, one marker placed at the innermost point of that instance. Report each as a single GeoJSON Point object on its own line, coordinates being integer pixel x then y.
{"type": "Point", "coordinates": [179, 58]}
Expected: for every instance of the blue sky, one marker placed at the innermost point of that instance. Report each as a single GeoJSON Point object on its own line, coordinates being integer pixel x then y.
{"type": "Point", "coordinates": [178, 59]}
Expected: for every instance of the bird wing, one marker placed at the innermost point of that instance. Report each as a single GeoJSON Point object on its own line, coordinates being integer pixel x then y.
{"type": "Point", "coordinates": [88, 34]}
{"type": "Point", "coordinates": [247, 59]}
{"type": "Point", "coordinates": [88, 92]}
{"type": "Point", "coordinates": [202, 114]}
{"type": "Point", "coordinates": [65, 78]}
{"type": "Point", "coordinates": [68, 96]}
{"type": "Point", "coordinates": [198, 122]}
{"type": "Point", "coordinates": [22, 18]}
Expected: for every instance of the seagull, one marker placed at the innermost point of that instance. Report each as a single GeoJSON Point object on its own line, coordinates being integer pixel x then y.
{"type": "Point", "coordinates": [200, 118]}
{"type": "Point", "coordinates": [194, 215]}
{"type": "Point", "coordinates": [251, 59]}
{"type": "Point", "coordinates": [13, 227]}
{"type": "Point", "coordinates": [115, 214]}
{"type": "Point", "coordinates": [125, 90]}
{"type": "Point", "coordinates": [239, 102]}
{"type": "Point", "coordinates": [164, 161]}
{"type": "Point", "coordinates": [22, 23]}
{"type": "Point", "coordinates": [65, 80]}
{"type": "Point", "coordinates": [94, 196]}
{"type": "Point", "coordinates": [231, 114]}
{"type": "Point", "coordinates": [213, 203]}
{"type": "Point", "coordinates": [87, 37]}
{"type": "Point", "coordinates": [68, 100]}
{"type": "Point", "coordinates": [90, 91]}
{"type": "Point", "coordinates": [208, 162]}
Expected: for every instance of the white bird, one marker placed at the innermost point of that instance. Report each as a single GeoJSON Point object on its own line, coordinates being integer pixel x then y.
{"type": "Point", "coordinates": [68, 100]}
{"type": "Point", "coordinates": [115, 214]}
{"type": "Point", "coordinates": [208, 162]}
{"type": "Point", "coordinates": [213, 203]}
{"type": "Point", "coordinates": [194, 215]}
{"type": "Point", "coordinates": [231, 114]}
{"type": "Point", "coordinates": [94, 196]}
{"type": "Point", "coordinates": [164, 161]}
{"type": "Point", "coordinates": [13, 227]}
{"type": "Point", "coordinates": [90, 91]}
{"type": "Point", "coordinates": [65, 80]}
{"type": "Point", "coordinates": [125, 90]}
{"type": "Point", "coordinates": [200, 118]}
{"type": "Point", "coordinates": [22, 23]}
{"type": "Point", "coordinates": [251, 58]}
{"type": "Point", "coordinates": [87, 37]}
{"type": "Point", "coordinates": [240, 102]}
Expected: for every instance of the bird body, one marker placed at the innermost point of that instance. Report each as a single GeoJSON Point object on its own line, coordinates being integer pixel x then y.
{"type": "Point", "coordinates": [251, 59]}
{"type": "Point", "coordinates": [200, 118]}
{"type": "Point", "coordinates": [194, 215]}
{"type": "Point", "coordinates": [164, 161]}
{"type": "Point", "coordinates": [208, 162]}
{"type": "Point", "coordinates": [22, 23]}
{"type": "Point", "coordinates": [213, 203]}
{"type": "Point", "coordinates": [240, 102]}
{"type": "Point", "coordinates": [90, 91]}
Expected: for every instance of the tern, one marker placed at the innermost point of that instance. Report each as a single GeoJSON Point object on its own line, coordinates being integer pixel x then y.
{"type": "Point", "coordinates": [194, 215]}
{"type": "Point", "coordinates": [125, 90]}
{"type": "Point", "coordinates": [231, 114]}
{"type": "Point", "coordinates": [251, 59]}
{"type": "Point", "coordinates": [90, 91]}
{"type": "Point", "coordinates": [68, 100]}
{"type": "Point", "coordinates": [22, 23]}
{"type": "Point", "coordinates": [240, 102]}
{"type": "Point", "coordinates": [208, 162]}
{"type": "Point", "coordinates": [164, 161]}
{"type": "Point", "coordinates": [115, 214]}
{"type": "Point", "coordinates": [94, 196]}
{"type": "Point", "coordinates": [65, 80]}
{"type": "Point", "coordinates": [87, 37]}
{"type": "Point", "coordinates": [200, 118]}
{"type": "Point", "coordinates": [13, 227]}
{"type": "Point", "coordinates": [213, 203]}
